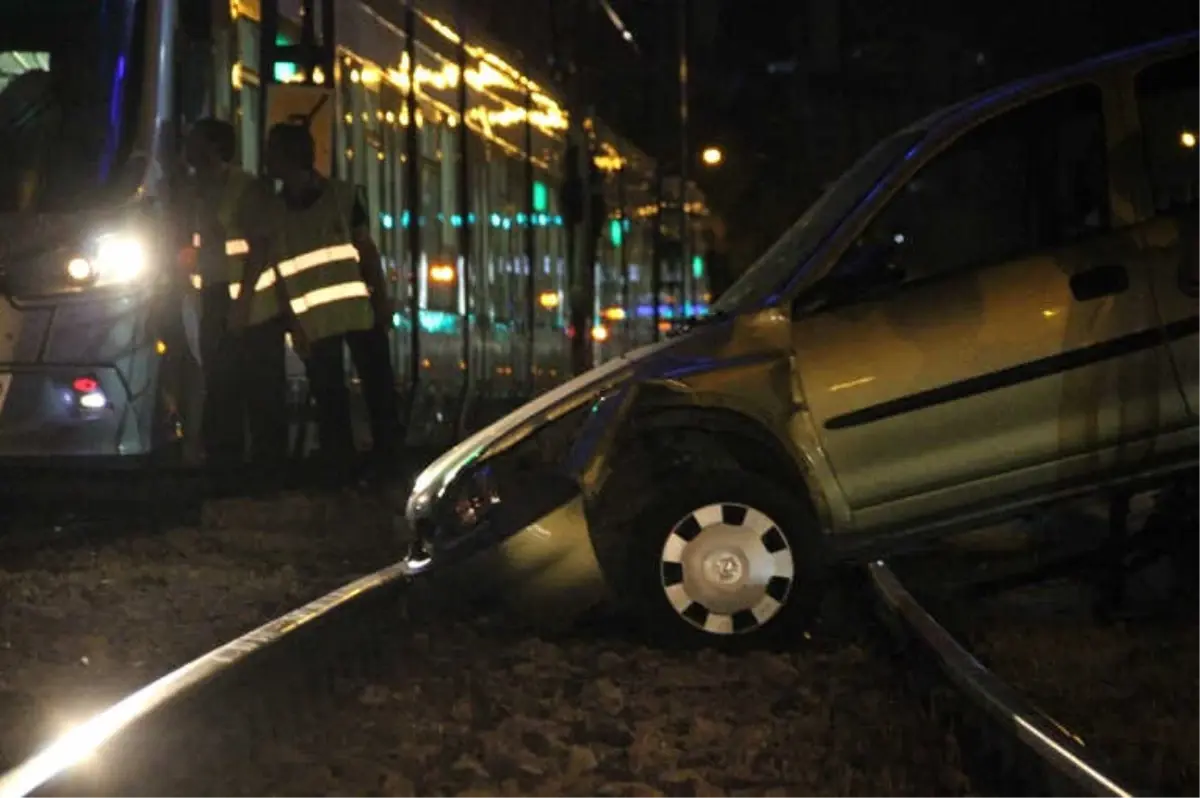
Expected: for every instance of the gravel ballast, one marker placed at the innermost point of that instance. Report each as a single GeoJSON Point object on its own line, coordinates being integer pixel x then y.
{"type": "Point", "coordinates": [472, 709]}
{"type": "Point", "coordinates": [81, 625]}
{"type": "Point", "coordinates": [1129, 689]}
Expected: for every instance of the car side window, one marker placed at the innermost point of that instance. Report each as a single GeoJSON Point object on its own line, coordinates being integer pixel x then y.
{"type": "Point", "coordinates": [1169, 107]}
{"type": "Point", "coordinates": [1030, 179]}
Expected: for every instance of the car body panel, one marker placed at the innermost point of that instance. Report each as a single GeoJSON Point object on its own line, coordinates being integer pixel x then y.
{"type": "Point", "coordinates": [985, 373]}
{"type": "Point", "coordinates": [547, 569]}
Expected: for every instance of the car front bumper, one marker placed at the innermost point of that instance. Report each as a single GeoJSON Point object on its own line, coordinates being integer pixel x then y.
{"type": "Point", "coordinates": [546, 572]}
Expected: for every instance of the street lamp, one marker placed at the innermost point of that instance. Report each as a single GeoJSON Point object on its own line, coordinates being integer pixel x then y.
{"type": "Point", "coordinates": [712, 156]}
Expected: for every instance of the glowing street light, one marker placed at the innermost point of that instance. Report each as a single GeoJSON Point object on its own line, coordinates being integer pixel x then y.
{"type": "Point", "coordinates": [1188, 139]}
{"type": "Point", "coordinates": [712, 156]}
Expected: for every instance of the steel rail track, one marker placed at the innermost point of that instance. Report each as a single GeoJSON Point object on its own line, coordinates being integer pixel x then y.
{"type": "Point", "coordinates": [140, 738]}
{"type": "Point", "coordinates": [1015, 748]}
{"type": "Point", "coordinates": [248, 690]}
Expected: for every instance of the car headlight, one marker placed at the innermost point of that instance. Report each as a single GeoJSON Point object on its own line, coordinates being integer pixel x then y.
{"type": "Point", "coordinates": [511, 485]}
{"type": "Point", "coordinates": [112, 259]}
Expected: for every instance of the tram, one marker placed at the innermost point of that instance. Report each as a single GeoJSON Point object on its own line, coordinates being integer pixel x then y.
{"type": "Point", "coordinates": [463, 158]}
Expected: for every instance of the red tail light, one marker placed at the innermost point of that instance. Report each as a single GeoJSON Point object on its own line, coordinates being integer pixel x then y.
{"type": "Point", "coordinates": [85, 384]}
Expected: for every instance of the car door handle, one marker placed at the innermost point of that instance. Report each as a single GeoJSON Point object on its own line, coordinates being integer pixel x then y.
{"type": "Point", "coordinates": [1099, 281]}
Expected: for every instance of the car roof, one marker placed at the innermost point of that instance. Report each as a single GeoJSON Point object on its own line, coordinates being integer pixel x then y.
{"type": "Point", "coordinates": [1047, 81]}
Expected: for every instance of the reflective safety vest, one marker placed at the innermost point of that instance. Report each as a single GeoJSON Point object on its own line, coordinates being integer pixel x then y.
{"type": "Point", "coordinates": [320, 268]}
{"type": "Point", "coordinates": [210, 268]}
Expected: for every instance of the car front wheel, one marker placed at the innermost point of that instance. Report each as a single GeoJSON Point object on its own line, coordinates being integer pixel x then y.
{"type": "Point", "coordinates": [725, 559]}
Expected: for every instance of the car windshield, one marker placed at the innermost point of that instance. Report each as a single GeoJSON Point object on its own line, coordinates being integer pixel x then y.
{"type": "Point", "coordinates": [768, 274]}
{"type": "Point", "coordinates": [69, 84]}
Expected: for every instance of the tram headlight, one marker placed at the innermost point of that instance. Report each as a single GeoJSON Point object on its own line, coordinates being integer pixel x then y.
{"type": "Point", "coordinates": [112, 259]}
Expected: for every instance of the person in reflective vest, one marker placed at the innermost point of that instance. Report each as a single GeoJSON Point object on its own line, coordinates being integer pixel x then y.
{"type": "Point", "coordinates": [217, 258]}
{"type": "Point", "coordinates": [258, 332]}
{"type": "Point", "coordinates": [334, 296]}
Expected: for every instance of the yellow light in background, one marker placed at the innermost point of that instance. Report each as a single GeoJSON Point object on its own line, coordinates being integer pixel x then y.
{"type": "Point", "coordinates": [664, 326]}
{"type": "Point", "coordinates": [548, 299]}
{"type": "Point", "coordinates": [318, 75]}
{"type": "Point", "coordinates": [1188, 139]}
{"type": "Point", "coordinates": [614, 314]}
{"type": "Point", "coordinates": [441, 273]}
{"type": "Point", "coordinates": [488, 71]}
{"type": "Point", "coordinates": [608, 159]}
{"type": "Point", "coordinates": [160, 347]}
{"type": "Point", "coordinates": [600, 333]}
{"type": "Point", "coordinates": [712, 156]}
{"type": "Point", "coordinates": [235, 75]}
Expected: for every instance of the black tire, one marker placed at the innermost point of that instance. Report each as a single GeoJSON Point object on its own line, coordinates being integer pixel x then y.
{"type": "Point", "coordinates": [654, 579]}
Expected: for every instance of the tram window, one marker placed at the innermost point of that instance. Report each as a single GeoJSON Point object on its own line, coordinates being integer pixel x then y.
{"type": "Point", "coordinates": [249, 99]}
{"type": "Point", "coordinates": [431, 202]}
{"type": "Point", "coordinates": [69, 100]}
{"type": "Point", "coordinates": [248, 43]}
{"type": "Point", "coordinates": [449, 170]}
{"type": "Point", "coordinates": [16, 63]}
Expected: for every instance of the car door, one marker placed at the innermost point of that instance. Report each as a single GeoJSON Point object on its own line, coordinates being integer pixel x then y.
{"type": "Point", "coordinates": [1165, 121]}
{"type": "Point", "coordinates": [1014, 352]}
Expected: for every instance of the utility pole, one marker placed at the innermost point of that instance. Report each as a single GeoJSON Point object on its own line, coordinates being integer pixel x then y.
{"type": "Point", "coordinates": [412, 215]}
{"type": "Point", "coordinates": [685, 226]}
{"type": "Point", "coordinates": [530, 252]}
{"type": "Point", "coordinates": [464, 230]}
{"type": "Point", "coordinates": [575, 200]}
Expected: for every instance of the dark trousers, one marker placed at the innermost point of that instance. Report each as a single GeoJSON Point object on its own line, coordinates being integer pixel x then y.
{"type": "Point", "coordinates": [371, 356]}
{"type": "Point", "coordinates": [223, 421]}
{"type": "Point", "coordinates": [262, 374]}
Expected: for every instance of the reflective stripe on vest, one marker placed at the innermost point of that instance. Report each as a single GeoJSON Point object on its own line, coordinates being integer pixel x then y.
{"type": "Point", "coordinates": [235, 289]}
{"type": "Point", "coordinates": [333, 293]}
{"type": "Point", "coordinates": [233, 248]}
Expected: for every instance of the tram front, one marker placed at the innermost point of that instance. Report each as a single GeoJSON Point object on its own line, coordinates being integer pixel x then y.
{"type": "Point", "coordinates": [88, 299]}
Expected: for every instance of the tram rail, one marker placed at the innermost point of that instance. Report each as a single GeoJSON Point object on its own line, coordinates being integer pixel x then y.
{"type": "Point", "coordinates": [1012, 745]}
{"type": "Point", "coordinates": [277, 675]}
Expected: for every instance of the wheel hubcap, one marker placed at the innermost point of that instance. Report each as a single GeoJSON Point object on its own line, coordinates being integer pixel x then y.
{"type": "Point", "coordinates": [724, 568]}
{"type": "Point", "coordinates": [727, 569]}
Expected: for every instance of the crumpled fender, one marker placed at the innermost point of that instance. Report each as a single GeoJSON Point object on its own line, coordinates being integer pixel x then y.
{"type": "Point", "coordinates": [667, 375]}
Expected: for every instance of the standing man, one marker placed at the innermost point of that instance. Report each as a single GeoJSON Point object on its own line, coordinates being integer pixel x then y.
{"type": "Point", "coordinates": [333, 295]}
{"type": "Point", "coordinates": [218, 253]}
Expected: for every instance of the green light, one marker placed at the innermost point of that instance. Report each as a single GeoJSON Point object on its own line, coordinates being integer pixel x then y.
{"type": "Point", "coordinates": [541, 198]}
{"type": "Point", "coordinates": [438, 322]}
{"type": "Point", "coordinates": [697, 266]}
{"type": "Point", "coordinates": [282, 40]}
{"type": "Point", "coordinates": [284, 71]}
{"type": "Point", "coordinates": [615, 232]}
